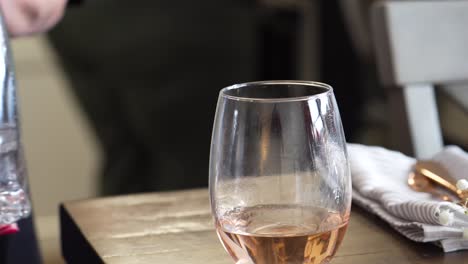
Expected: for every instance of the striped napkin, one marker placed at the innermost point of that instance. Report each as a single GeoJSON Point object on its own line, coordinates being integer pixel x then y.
{"type": "Point", "coordinates": [379, 178]}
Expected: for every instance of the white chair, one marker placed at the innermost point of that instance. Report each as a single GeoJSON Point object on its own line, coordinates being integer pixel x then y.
{"type": "Point", "coordinates": [420, 44]}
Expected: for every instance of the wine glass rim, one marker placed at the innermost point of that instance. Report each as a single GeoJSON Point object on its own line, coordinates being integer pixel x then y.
{"type": "Point", "coordinates": [327, 90]}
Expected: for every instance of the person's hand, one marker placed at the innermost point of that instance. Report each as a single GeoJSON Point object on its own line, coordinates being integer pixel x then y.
{"type": "Point", "coordinates": [26, 17]}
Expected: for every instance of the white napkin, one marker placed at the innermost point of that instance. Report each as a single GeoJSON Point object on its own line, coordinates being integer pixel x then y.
{"type": "Point", "coordinates": [379, 179]}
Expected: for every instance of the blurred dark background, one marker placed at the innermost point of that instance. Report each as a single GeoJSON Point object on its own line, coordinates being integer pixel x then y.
{"type": "Point", "coordinates": [147, 74]}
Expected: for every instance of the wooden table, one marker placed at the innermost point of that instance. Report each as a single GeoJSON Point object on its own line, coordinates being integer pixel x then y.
{"type": "Point", "coordinates": [176, 227]}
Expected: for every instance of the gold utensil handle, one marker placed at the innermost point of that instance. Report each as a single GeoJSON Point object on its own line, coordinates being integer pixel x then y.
{"type": "Point", "coordinates": [432, 170]}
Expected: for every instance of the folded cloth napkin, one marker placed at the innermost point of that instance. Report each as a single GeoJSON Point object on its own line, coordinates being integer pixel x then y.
{"type": "Point", "coordinates": [379, 178]}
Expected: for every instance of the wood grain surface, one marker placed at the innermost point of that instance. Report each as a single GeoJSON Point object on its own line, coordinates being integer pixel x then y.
{"type": "Point", "coordinates": [176, 227]}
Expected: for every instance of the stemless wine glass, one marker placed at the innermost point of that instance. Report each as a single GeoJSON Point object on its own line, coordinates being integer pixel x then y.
{"type": "Point", "coordinates": [280, 184]}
